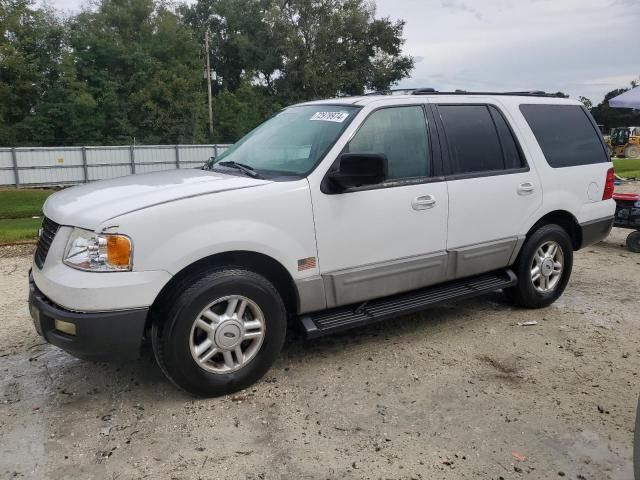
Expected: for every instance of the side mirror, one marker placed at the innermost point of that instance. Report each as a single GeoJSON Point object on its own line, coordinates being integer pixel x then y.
{"type": "Point", "coordinates": [358, 170]}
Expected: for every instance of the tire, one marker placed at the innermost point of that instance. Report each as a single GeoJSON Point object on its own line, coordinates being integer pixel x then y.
{"type": "Point", "coordinates": [633, 241]}
{"type": "Point", "coordinates": [632, 151]}
{"type": "Point", "coordinates": [530, 293]}
{"type": "Point", "coordinates": [199, 312]}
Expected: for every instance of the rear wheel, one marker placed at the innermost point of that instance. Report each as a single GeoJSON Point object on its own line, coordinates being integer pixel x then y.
{"type": "Point", "coordinates": [543, 268]}
{"type": "Point", "coordinates": [220, 331]}
{"type": "Point", "coordinates": [633, 242]}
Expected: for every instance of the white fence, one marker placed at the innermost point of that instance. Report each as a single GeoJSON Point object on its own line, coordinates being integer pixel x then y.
{"type": "Point", "coordinates": [43, 166]}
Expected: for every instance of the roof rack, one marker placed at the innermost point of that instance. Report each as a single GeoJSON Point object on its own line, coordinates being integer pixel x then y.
{"type": "Point", "coordinates": [392, 91]}
{"type": "Point", "coordinates": [433, 91]}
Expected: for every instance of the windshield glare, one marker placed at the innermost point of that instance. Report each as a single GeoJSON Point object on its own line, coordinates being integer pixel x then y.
{"type": "Point", "coordinates": [293, 141]}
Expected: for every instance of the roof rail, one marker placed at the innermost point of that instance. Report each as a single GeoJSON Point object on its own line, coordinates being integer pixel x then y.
{"type": "Point", "coordinates": [392, 91]}
{"type": "Point", "coordinates": [433, 91]}
{"type": "Point", "coordinates": [528, 93]}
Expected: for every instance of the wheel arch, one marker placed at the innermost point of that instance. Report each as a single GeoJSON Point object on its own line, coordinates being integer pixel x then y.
{"type": "Point", "coordinates": [564, 219]}
{"type": "Point", "coordinates": [259, 263]}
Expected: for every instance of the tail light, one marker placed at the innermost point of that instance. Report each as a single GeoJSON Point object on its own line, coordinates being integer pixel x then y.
{"type": "Point", "coordinates": [608, 185]}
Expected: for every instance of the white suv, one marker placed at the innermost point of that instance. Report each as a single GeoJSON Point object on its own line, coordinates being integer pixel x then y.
{"type": "Point", "coordinates": [332, 214]}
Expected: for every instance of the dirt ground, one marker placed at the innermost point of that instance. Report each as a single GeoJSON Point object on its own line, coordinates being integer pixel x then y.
{"type": "Point", "coordinates": [458, 391]}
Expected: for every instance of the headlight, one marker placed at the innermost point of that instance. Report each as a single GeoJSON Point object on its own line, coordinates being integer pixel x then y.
{"type": "Point", "coordinates": [98, 252]}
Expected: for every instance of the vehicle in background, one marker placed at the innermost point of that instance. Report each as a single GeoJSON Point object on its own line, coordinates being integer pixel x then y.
{"type": "Point", "coordinates": [628, 216]}
{"type": "Point", "coordinates": [624, 142]}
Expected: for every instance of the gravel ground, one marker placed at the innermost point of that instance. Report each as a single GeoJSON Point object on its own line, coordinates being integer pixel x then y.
{"type": "Point", "coordinates": [458, 391]}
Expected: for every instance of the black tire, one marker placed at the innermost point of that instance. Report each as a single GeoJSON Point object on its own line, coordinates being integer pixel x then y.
{"type": "Point", "coordinates": [524, 294]}
{"type": "Point", "coordinates": [633, 241]}
{"type": "Point", "coordinates": [177, 313]}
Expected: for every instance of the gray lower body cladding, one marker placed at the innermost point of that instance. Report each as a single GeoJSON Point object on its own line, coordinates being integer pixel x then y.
{"type": "Point", "coordinates": [344, 287]}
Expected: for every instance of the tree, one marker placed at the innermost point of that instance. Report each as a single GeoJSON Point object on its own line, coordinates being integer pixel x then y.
{"type": "Point", "coordinates": [336, 47]}
{"type": "Point", "coordinates": [31, 49]}
{"type": "Point", "coordinates": [241, 41]}
{"type": "Point", "coordinates": [301, 49]}
{"type": "Point", "coordinates": [238, 112]}
{"type": "Point", "coordinates": [141, 66]}
{"type": "Point", "coordinates": [132, 69]}
{"type": "Point", "coordinates": [586, 102]}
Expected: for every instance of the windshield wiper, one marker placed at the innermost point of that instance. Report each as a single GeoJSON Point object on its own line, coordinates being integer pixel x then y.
{"type": "Point", "coordinates": [240, 166]}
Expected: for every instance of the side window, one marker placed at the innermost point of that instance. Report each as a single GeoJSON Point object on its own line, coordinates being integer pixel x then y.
{"type": "Point", "coordinates": [565, 134]}
{"type": "Point", "coordinates": [472, 139]}
{"type": "Point", "coordinates": [401, 134]}
{"type": "Point", "coordinates": [512, 156]}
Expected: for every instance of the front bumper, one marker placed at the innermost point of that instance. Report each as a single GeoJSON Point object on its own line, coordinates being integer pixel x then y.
{"type": "Point", "coordinates": [115, 335]}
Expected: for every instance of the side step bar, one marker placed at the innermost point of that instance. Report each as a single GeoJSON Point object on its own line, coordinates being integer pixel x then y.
{"type": "Point", "coordinates": [342, 318]}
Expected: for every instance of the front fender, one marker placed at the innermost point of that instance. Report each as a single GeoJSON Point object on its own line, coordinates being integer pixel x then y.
{"type": "Point", "coordinates": [275, 220]}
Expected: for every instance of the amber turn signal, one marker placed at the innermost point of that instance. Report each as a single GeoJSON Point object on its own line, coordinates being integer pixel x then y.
{"type": "Point", "coordinates": [118, 250]}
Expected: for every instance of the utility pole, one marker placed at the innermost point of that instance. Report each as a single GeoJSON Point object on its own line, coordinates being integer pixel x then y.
{"type": "Point", "coordinates": [206, 46]}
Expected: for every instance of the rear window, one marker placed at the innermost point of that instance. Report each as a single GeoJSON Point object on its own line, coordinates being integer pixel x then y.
{"type": "Point", "coordinates": [566, 135]}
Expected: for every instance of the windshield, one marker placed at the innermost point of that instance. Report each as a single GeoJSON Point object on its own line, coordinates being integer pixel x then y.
{"type": "Point", "coordinates": [290, 143]}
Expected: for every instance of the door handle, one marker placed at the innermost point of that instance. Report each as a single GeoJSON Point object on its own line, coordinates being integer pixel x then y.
{"type": "Point", "coordinates": [423, 202]}
{"type": "Point", "coordinates": [525, 188]}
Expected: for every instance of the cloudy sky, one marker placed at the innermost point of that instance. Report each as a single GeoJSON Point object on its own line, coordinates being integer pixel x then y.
{"type": "Point", "coordinates": [581, 47]}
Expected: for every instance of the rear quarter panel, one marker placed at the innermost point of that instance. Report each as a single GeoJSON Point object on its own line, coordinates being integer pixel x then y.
{"type": "Point", "coordinates": [577, 190]}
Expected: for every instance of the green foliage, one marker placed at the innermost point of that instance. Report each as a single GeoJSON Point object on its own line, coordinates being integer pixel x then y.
{"type": "Point", "coordinates": [239, 112]}
{"type": "Point", "coordinates": [302, 49]}
{"type": "Point", "coordinates": [22, 203]}
{"type": "Point", "coordinates": [133, 69]}
{"type": "Point", "coordinates": [140, 66]}
{"type": "Point", "coordinates": [30, 52]}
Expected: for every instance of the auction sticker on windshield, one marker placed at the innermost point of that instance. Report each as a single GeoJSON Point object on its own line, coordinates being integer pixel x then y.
{"type": "Point", "coordinates": [337, 117]}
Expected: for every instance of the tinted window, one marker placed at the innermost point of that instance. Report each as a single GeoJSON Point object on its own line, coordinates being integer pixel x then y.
{"type": "Point", "coordinates": [472, 139]}
{"type": "Point", "coordinates": [510, 150]}
{"type": "Point", "coordinates": [401, 134]}
{"type": "Point", "coordinates": [565, 134]}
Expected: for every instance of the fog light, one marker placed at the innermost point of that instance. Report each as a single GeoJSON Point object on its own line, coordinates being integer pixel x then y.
{"type": "Point", "coordinates": [65, 327]}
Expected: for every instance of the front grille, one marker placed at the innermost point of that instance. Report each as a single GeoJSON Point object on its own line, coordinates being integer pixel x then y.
{"type": "Point", "coordinates": [47, 233]}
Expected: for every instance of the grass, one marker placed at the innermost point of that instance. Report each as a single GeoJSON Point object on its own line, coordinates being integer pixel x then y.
{"type": "Point", "coordinates": [627, 167]}
{"type": "Point", "coordinates": [19, 229]}
{"type": "Point", "coordinates": [22, 203]}
{"type": "Point", "coordinates": [17, 206]}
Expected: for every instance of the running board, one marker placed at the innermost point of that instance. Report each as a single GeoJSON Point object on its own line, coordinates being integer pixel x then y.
{"type": "Point", "coordinates": [342, 318]}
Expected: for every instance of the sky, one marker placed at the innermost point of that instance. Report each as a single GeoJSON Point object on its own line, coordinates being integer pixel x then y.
{"type": "Point", "coordinates": [580, 47]}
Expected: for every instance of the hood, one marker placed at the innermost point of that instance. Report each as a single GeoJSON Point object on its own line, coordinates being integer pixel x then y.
{"type": "Point", "coordinates": [89, 205]}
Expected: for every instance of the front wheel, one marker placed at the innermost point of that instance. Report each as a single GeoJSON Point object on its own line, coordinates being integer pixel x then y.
{"type": "Point", "coordinates": [543, 268]}
{"type": "Point", "coordinates": [220, 331]}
